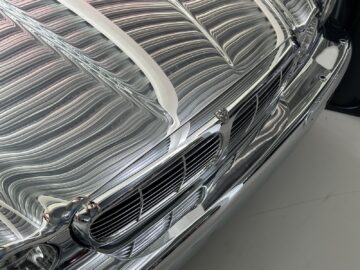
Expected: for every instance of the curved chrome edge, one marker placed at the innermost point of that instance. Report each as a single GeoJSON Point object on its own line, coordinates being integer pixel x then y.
{"type": "Point", "coordinates": [183, 237]}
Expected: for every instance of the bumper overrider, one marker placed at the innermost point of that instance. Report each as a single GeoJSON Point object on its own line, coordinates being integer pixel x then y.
{"type": "Point", "coordinates": [302, 76]}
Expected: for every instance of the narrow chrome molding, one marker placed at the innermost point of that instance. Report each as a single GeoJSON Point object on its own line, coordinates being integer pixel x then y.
{"type": "Point", "coordinates": [164, 89]}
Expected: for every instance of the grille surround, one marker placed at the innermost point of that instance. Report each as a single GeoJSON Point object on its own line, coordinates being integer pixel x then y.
{"type": "Point", "coordinates": [219, 129]}
{"type": "Point", "coordinates": [157, 191]}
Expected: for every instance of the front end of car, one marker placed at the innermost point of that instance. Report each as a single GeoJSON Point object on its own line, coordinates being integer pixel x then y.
{"type": "Point", "coordinates": [135, 183]}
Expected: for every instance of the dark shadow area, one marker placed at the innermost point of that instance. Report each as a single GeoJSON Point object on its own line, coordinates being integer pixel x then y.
{"type": "Point", "coordinates": [345, 20]}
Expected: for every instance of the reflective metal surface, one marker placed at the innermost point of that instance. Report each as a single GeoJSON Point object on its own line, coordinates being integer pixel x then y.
{"type": "Point", "coordinates": [299, 12]}
{"type": "Point", "coordinates": [202, 53]}
{"type": "Point", "coordinates": [157, 191]}
{"type": "Point", "coordinates": [284, 127]}
{"type": "Point", "coordinates": [98, 96]}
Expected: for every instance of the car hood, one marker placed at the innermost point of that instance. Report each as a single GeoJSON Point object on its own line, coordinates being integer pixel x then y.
{"type": "Point", "coordinates": [78, 105]}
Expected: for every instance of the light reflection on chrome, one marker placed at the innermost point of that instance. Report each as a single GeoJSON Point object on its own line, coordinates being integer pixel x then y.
{"type": "Point", "coordinates": [81, 124]}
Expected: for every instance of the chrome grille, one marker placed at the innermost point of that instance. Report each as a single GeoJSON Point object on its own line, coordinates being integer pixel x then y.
{"type": "Point", "coordinates": [196, 161]}
{"type": "Point", "coordinates": [255, 110]}
{"type": "Point", "coordinates": [163, 184]}
{"type": "Point", "coordinates": [149, 235]}
{"type": "Point", "coordinates": [243, 119]}
{"type": "Point", "coordinates": [158, 190]}
{"type": "Point", "coordinates": [269, 93]}
{"type": "Point", "coordinates": [125, 213]}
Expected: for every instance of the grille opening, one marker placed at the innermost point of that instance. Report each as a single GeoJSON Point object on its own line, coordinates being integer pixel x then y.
{"type": "Point", "coordinates": [202, 155]}
{"type": "Point", "coordinates": [243, 119]}
{"type": "Point", "coordinates": [255, 108]}
{"type": "Point", "coordinates": [162, 185]}
{"type": "Point", "coordinates": [140, 241]}
{"type": "Point", "coordinates": [269, 93]}
{"type": "Point", "coordinates": [124, 213]}
{"type": "Point", "coordinates": [165, 183]}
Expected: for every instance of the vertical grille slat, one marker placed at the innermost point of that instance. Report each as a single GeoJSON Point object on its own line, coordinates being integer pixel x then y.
{"type": "Point", "coordinates": [193, 162]}
{"type": "Point", "coordinates": [160, 186]}
{"type": "Point", "coordinates": [166, 182]}
{"type": "Point", "coordinates": [202, 146]}
{"type": "Point", "coordinates": [156, 200]}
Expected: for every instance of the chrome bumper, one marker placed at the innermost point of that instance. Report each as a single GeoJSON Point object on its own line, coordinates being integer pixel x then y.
{"type": "Point", "coordinates": [226, 190]}
{"type": "Point", "coordinates": [232, 199]}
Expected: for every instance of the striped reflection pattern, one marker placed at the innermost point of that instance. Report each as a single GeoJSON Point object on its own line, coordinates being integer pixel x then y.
{"type": "Point", "coordinates": [92, 44]}
{"type": "Point", "coordinates": [204, 47]}
{"type": "Point", "coordinates": [80, 122]}
{"type": "Point", "coordinates": [300, 10]}
{"type": "Point", "coordinates": [13, 226]}
{"type": "Point", "coordinates": [63, 130]}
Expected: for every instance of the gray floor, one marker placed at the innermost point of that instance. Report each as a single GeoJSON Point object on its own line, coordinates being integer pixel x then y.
{"type": "Point", "coordinates": [306, 215]}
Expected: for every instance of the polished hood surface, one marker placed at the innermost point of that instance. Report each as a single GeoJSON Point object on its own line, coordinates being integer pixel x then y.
{"type": "Point", "coordinates": [77, 107]}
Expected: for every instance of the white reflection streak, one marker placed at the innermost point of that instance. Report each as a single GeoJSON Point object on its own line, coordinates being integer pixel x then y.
{"type": "Point", "coordinates": [164, 89]}
{"type": "Point", "coordinates": [11, 226]}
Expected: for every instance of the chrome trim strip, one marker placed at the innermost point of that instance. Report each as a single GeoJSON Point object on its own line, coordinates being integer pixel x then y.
{"type": "Point", "coordinates": [141, 203]}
